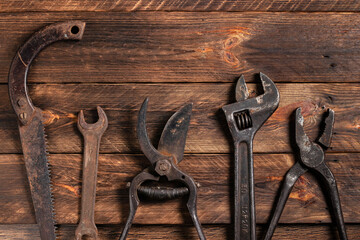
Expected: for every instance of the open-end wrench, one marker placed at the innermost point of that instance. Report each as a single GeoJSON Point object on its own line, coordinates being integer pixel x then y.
{"type": "Point", "coordinates": [245, 117]}
{"type": "Point", "coordinates": [92, 135]}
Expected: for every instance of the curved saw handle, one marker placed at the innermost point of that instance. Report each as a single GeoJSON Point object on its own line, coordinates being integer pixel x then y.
{"type": "Point", "coordinates": [20, 100]}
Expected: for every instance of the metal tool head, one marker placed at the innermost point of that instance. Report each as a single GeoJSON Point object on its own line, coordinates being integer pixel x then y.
{"type": "Point", "coordinates": [311, 154]}
{"type": "Point", "coordinates": [326, 135]}
{"type": "Point", "coordinates": [249, 114]}
{"type": "Point", "coordinates": [170, 152]}
{"type": "Point", "coordinates": [172, 141]}
{"type": "Point", "coordinates": [88, 230]}
{"type": "Point", "coordinates": [99, 127]}
{"type": "Point", "coordinates": [173, 137]}
{"type": "Point", "coordinates": [152, 154]}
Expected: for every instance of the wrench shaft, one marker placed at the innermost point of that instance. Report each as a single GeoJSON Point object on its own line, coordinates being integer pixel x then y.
{"type": "Point", "coordinates": [90, 165]}
{"type": "Point", "coordinates": [244, 192]}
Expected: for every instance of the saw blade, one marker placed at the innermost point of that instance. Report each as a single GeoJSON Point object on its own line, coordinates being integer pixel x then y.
{"type": "Point", "coordinates": [33, 140]}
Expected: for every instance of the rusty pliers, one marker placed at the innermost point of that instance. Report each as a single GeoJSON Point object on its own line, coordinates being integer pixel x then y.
{"type": "Point", "coordinates": [164, 162]}
{"type": "Point", "coordinates": [311, 158]}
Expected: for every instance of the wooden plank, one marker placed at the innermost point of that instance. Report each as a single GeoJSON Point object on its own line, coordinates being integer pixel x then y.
{"type": "Point", "coordinates": [208, 129]}
{"type": "Point", "coordinates": [191, 47]}
{"type": "Point", "coordinates": [66, 232]}
{"type": "Point", "coordinates": [185, 5]}
{"type": "Point", "coordinates": [19, 232]}
{"type": "Point", "coordinates": [305, 205]}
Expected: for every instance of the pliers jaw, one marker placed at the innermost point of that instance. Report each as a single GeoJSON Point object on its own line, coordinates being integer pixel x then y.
{"type": "Point", "coordinates": [151, 153]}
{"type": "Point", "coordinates": [326, 136]}
{"type": "Point", "coordinates": [311, 153]}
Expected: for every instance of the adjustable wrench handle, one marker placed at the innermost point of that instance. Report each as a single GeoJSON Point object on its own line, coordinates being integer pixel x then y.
{"type": "Point", "coordinates": [245, 224]}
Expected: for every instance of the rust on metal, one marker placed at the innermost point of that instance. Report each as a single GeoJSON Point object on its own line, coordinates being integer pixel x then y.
{"type": "Point", "coordinates": [245, 117]}
{"type": "Point", "coordinates": [31, 120]}
{"type": "Point", "coordinates": [311, 159]}
{"type": "Point", "coordinates": [163, 163]}
{"type": "Point", "coordinates": [92, 134]}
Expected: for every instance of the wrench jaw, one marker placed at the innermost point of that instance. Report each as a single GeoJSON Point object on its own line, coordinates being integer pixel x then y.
{"type": "Point", "coordinates": [86, 229]}
{"type": "Point", "coordinates": [246, 116]}
{"type": "Point", "coordinates": [241, 90]}
{"type": "Point", "coordinates": [99, 127]}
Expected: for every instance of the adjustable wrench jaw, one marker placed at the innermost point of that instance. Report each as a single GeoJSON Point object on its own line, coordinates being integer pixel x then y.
{"type": "Point", "coordinates": [246, 116]}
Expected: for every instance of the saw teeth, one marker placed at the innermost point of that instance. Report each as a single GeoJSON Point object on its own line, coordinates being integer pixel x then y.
{"type": "Point", "coordinates": [51, 182]}
{"type": "Point", "coordinates": [56, 230]}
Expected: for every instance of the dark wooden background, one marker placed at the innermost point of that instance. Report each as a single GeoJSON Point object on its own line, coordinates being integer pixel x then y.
{"type": "Point", "coordinates": [176, 52]}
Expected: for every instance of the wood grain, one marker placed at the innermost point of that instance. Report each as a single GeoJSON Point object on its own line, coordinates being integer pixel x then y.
{"type": "Point", "coordinates": [185, 5]}
{"type": "Point", "coordinates": [190, 47]}
{"type": "Point", "coordinates": [213, 172]}
{"type": "Point", "coordinates": [187, 51]}
{"type": "Point", "coordinates": [213, 232]}
{"type": "Point", "coordinates": [208, 128]}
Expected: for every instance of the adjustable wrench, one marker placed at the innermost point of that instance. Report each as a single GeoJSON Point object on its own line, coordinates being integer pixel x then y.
{"type": "Point", "coordinates": [245, 117]}
{"type": "Point", "coordinates": [92, 135]}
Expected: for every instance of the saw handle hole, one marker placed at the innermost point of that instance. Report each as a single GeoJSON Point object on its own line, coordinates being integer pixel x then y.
{"type": "Point", "coordinates": [75, 30]}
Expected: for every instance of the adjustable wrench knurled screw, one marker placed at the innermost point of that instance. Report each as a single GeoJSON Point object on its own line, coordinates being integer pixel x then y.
{"type": "Point", "coordinates": [92, 135]}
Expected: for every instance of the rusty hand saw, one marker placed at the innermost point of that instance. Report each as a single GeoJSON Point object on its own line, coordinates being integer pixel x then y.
{"type": "Point", "coordinates": [30, 120]}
